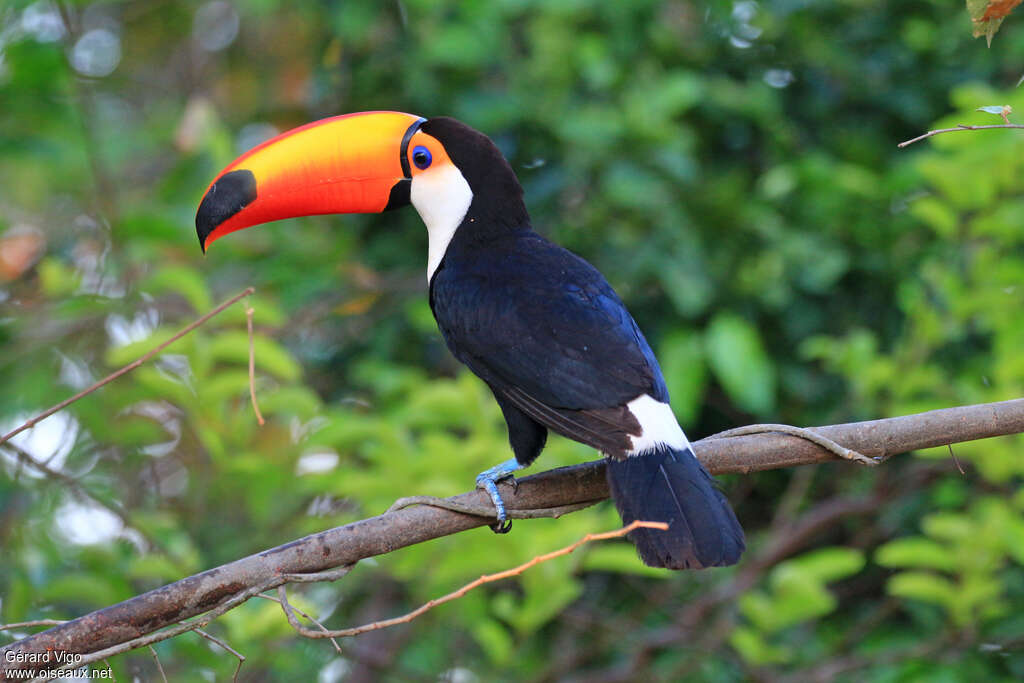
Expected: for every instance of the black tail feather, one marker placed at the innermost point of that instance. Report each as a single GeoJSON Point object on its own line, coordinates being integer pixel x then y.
{"type": "Point", "coordinates": [670, 485]}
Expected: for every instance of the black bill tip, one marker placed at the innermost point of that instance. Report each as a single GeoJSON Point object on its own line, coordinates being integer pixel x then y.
{"type": "Point", "coordinates": [231, 193]}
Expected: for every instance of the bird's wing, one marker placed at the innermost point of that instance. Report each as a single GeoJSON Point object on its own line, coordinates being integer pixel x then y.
{"type": "Point", "coordinates": [545, 329]}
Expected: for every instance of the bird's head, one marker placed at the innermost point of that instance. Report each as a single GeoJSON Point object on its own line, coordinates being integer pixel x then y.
{"type": "Point", "coordinates": [366, 163]}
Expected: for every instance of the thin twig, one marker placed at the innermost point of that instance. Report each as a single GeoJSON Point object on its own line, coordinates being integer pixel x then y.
{"type": "Point", "coordinates": [68, 481]}
{"type": "Point", "coordinates": [30, 624]}
{"type": "Point", "coordinates": [126, 369]}
{"type": "Point", "coordinates": [454, 595]}
{"type": "Point", "coordinates": [290, 617]}
{"type": "Point", "coordinates": [959, 126]}
{"type": "Point", "coordinates": [110, 669]}
{"type": "Point", "coordinates": [955, 461]}
{"type": "Point", "coordinates": [317, 577]}
{"type": "Point", "coordinates": [159, 666]}
{"type": "Point", "coordinates": [236, 653]}
{"type": "Point", "coordinates": [252, 365]}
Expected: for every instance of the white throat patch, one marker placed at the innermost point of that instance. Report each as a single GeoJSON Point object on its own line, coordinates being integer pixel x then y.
{"type": "Point", "coordinates": [442, 197]}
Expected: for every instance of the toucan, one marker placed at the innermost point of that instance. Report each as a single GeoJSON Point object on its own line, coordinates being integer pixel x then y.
{"type": "Point", "coordinates": [537, 323]}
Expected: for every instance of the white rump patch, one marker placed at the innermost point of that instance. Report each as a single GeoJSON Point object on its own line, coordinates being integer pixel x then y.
{"type": "Point", "coordinates": [442, 197]}
{"type": "Point", "coordinates": [658, 425]}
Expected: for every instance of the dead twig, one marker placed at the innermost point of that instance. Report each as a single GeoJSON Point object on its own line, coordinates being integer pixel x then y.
{"type": "Point", "coordinates": [960, 126]}
{"type": "Point", "coordinates": [296, 624]}
{"type": "Point", "coordinates": [956, 462]}
{"type": "Point", "coordinates": [126, 369]}
{"type": "Point", "coordinates": [456, 594]}
{"type": "Point", "coordinates": [225, 646]}
{"type": "Point", "coordinates": [159, 666]}
{"type": "Point", "coordinates": [252, 365]}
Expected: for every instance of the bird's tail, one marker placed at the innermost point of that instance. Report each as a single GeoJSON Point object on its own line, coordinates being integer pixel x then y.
{"type": "Point", "coordinates": [670, 485]}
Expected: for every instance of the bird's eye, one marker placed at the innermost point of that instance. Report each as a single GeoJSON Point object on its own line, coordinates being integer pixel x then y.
{"type": "Point", "coordinates": [421, 157]}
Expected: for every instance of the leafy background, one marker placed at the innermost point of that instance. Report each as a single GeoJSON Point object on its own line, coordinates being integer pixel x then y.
{"type": "Point", "coordinates": [731, 168]}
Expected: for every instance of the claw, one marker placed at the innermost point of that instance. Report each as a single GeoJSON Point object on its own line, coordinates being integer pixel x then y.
{"type": "Point", "coordinates": [487, 481]}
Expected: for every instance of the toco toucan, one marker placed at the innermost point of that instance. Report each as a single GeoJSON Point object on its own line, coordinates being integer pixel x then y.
{"type": "Point", "coordinates": [538, 324]}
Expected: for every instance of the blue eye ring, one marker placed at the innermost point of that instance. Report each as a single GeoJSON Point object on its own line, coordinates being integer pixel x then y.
{"type": "Point", "coordinates": [421, 157]}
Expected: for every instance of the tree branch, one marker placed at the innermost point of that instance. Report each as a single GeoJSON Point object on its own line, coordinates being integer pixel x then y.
{"type": "Point", "coordinates": [131, 620]}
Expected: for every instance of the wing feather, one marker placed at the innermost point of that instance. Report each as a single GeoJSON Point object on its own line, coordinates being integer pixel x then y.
{"type": "Point", "coordinates": [544, 328]}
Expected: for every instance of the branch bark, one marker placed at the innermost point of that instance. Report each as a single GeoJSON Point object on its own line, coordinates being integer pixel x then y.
{"type": "Point", "coordinates": [584, 483]}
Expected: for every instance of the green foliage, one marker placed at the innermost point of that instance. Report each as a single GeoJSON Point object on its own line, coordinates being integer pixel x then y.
{"type": "Point", "coordinates": [797, 595]}
{"type": "Point", "coordinates": [740, 363]}
{"type": "Point", "coordinates": [968, 554]}
{"type": "Point", "coordinates": [731, 168]}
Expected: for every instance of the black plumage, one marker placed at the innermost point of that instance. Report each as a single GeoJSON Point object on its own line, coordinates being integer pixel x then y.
{"type": "Point", "coordinates": [672, 486]}
{"type": "Point", "coordinates": [562, 350]}
{"type": "Point", "coordinates": [556, 345]}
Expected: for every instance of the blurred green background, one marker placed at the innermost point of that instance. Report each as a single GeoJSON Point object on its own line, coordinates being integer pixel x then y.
{"type": "Point", "coordinates": [732, 169]}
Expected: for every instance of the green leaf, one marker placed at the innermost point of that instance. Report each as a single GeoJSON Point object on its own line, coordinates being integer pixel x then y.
{"type": "Point", "coordinates": [155, 568]}
{"type": "Point", "coordinates": [80, 590]}
{"type": "Point", "coordinates": [755, 649]}
{"type": "Point", "coordinates": [495, 640]}
{"type": "Point", "coordinates": [180, 280]}
{"type": "Point", "coordinates": [950, 526]}
{"type": "Point", "coordinates": [917, 552]}
{"type": "Point", "coordinates": [621, 558]}
{"type": "Point", "coordinates": [295, 400]}
{"type": "Point", "coordinates": [265, 314]}
{"type": "Point", "coordinates": [122, 355]}
{"type": "Point", "coordinates": [1013, 539]}
{"type": "Point", "coordinates": [798, 597]}
{"type": "Point", "coordinates": [682, 360]}
{"type": "Point", "coordinates": [937, 214]}
{"type": "Point", "coordinates": [829, 564]}
{"type": "Point", "coordinates": [261, 619]}
{"type": "Point", "coordinates": [738, 360]}
{"type": "Point", "coordinates": [923, 586]}
{"type": "Point", "coordinates": [271, 357]}
{"type": "Point", "coordinates": [543, 603]}
{"type": "Point", "coordinates": [759, 608]}
{"type": "Point", "coordinates": [224, 385]}
{"type": "Point", "coordinates": [57, 279]}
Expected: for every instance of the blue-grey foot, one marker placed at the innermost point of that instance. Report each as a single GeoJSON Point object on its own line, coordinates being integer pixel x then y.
{"type": "Point", "coordinates": [488, 481]}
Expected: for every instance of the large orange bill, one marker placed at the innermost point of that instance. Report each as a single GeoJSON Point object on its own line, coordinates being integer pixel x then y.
{"type": "Point", "coordinates": [354, 163]}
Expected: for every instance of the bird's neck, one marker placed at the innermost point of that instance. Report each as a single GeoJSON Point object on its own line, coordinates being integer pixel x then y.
{"type": "Point", "coordinates": [485, 225]}
{"type": "Point", "coordinates": [484, 228]}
